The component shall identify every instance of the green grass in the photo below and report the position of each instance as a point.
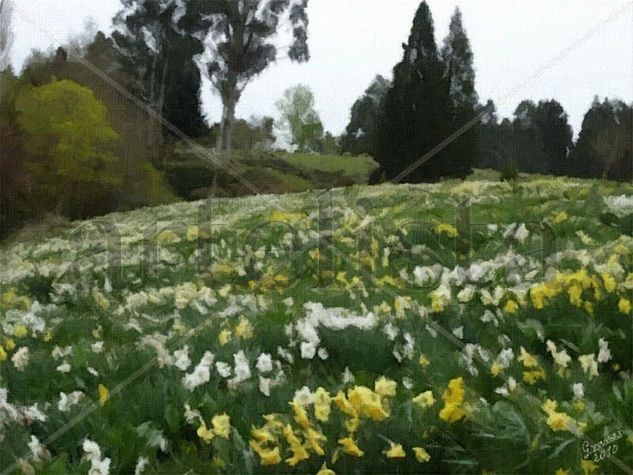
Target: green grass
(349, 166)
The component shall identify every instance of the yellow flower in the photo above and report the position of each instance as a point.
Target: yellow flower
(575, 294)
(527, 359)
(266, 456)
(447, 229)
(322, 401)
(424, 399)
(20, 330)
(104, 394)
(244, 329)
(496, 368)
(511, 307)
(624, 306)
(452, 412)
(204, 433)
(588, 467)
(313, 441)
(561, 471)
(218, 462)
(350, 447)
(559, 217)
(455, 391)
(221, 425)
(558, 421)
(385, 387)
(421, 455)
(424, 361)
(395, 451)
(609, 282)
(352, 424)
(9, 344)
(224, 337)
(301, 416)
(3, 354)
(325, 471)
(344, 405)
(532, 377)
(262, 435)
(299, 453)
(367, 403)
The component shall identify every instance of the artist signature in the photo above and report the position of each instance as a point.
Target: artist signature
(600, 450)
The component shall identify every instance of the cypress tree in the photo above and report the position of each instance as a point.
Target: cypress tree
(417, 114)
(459, 72)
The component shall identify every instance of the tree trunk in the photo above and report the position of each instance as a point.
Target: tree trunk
(228, 126)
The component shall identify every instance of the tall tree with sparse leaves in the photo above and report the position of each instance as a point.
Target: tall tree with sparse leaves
(241, 45)
(6, 35)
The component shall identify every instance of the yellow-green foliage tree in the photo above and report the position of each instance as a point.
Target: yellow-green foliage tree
(70, 140)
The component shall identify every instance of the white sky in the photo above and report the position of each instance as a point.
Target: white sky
(353, 40)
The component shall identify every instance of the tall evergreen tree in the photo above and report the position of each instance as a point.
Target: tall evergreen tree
(604, 148)
(417, 112)
(361, 132)
(459, 71)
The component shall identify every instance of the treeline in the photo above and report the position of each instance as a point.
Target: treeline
(428, 123)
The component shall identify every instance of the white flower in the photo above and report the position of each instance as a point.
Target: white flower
(59, 352)
(579, 390)
(241, 370)
(265, 385)
(303, 397)
(191, 415)
(181, 358)
(285, 354)
(308, 350)
(21, 358)
(604, 354)
(621, 206)
(561, 358)
(99, 467)
(140, 465)
(323, 354)
(459, 332)
(64, 367)
(224, 369)
(37, 449)
(589, 364)
(66, 401)
(407, 382)
(200, 374)
(391, 331)
(348, 377)
(97, 347)
(91, 449)
(466, 294)
(522, 233)
(264, 363)
(92, 371)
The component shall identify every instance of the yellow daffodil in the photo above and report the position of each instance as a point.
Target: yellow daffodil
(266, 456)
(325, 471)
(395, 451)
(244, 329)
(423, 361)
(350, 447)
(221, 425)
(104, 394)
(421, 455)
(385, 387)
(424, 399)
(205, 434)
(301, 416)
(624, 306)
(322, 402)
(224, 337)
(511, 307)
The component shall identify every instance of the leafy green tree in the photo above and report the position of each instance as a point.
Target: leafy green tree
(417, 115)
(361, 132)
(457, 57)
(241, 45)
(69, 139)
(299, 118)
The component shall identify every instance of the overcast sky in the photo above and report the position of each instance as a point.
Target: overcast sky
(353, 40)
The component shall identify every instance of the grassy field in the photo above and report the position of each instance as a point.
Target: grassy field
(385, 329)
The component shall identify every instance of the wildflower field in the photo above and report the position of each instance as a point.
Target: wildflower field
(460, 327)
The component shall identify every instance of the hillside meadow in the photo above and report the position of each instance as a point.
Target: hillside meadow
(460, 327)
